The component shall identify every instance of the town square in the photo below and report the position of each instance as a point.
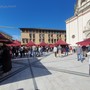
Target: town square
(45, 45)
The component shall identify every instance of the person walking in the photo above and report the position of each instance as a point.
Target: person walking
(55, 51)
(66, 50)
(59, 50)
(79, 53)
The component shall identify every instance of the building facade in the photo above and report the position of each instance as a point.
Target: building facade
(78, 26)
(36, 35)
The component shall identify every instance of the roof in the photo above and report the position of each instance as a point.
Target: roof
(42, 29)
(6, 35)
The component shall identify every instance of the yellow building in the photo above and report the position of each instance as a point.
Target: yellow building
(38, 35)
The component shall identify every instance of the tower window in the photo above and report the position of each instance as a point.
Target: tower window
(82, 1)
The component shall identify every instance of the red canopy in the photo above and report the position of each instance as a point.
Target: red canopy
(61, 42)
(15, 43)
(30, 43)
(51, 45)
(43, 44)
(85, 42)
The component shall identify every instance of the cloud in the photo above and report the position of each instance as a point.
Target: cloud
(16, 37)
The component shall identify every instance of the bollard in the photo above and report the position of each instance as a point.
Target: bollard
(88, 54)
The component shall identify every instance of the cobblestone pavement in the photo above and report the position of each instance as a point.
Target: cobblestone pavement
(47, 73)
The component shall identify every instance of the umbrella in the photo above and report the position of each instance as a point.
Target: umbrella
(30, 43)
(15, 43)
(43, 44)
(61, 42)
(84, 42)
(51, 45)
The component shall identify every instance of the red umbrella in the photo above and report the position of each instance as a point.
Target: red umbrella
(43, 44)
(51, 45)
(61, 42)
(85, 42)
(36, 45)
(15, 43)
(30, 43)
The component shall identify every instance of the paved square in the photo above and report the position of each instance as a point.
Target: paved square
(47, 73)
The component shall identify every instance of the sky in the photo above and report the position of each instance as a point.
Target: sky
(15, 14)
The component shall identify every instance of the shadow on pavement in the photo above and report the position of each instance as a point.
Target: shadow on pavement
(64, 71)
(23, 70)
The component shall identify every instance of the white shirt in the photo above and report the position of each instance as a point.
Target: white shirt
(55, 49)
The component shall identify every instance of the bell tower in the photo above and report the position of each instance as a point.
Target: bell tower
(81, 5)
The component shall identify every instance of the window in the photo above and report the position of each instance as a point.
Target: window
(30, 35)
(33, 35)
(33, 40)
(36, 31)
(42, 35)
(26, 40)
(23, 31)
(48, 35)
(65, 35)
(60, 34)
(40, 31)
(23, 40)
(39, 35)
(26, 31)
(39, 40)
(49, 40)
(43, 31)
(52, 35)
(54, 40)
(82, 1)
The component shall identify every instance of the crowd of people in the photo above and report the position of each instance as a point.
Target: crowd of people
(7, 53)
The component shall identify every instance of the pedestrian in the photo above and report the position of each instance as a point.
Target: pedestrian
(66, 50)
(89, 48)
(55, 51)
(6, 59)
(59, 50)
(21, 51)
(70, 48)
(79, 53)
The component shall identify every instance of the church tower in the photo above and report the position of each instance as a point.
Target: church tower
(78, 26)
(81, 6)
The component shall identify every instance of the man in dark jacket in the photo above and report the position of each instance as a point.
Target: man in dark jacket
(6, 59)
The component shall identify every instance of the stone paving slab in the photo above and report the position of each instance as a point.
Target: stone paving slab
(50, 73)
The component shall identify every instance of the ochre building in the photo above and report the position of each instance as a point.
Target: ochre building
(38, 35)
